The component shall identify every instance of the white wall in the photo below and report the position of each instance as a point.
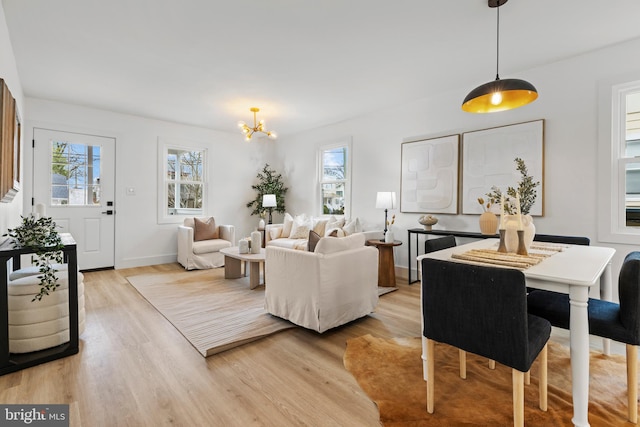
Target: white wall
(140, 240)
(568, 103)
(10, 212)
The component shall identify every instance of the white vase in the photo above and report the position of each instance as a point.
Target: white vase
(511, 235)
(388, 237)
(261, 224)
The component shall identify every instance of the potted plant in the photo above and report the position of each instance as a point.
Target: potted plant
(526, 193)
(269, 182)
(41, 236)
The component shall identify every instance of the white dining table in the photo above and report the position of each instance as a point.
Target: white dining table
(574, 271)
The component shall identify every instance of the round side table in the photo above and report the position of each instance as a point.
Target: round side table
(386, 264)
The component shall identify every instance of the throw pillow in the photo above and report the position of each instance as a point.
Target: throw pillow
(352, 227)
(314, 238)
(332, 224)
(300, 228)
(275, 233)
(335, 232)
(320, 225)
(204, 229)
(287, 223)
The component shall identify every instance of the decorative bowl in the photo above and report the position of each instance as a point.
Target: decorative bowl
(427, 221)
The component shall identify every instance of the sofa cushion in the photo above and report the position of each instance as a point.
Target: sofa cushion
(353, 226)
(320, 225)
(287, 223)
(314, 238)
(328, 245)
(333, 224)
(275, 233)
(300, 228)
(204, 229)
(208, 246)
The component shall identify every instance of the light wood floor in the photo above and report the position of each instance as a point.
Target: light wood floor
(135, 369)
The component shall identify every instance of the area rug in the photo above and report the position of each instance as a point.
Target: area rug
(390, 373)
(213, 314)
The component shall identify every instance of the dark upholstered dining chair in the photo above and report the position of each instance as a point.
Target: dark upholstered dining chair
(619, 322)
(432, 245)
(483, 310)
(570, 240)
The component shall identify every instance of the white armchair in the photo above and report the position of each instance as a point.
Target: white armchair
(319, 290)
(203, 254)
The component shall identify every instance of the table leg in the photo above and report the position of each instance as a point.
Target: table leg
(606, 294)
(386, 267)
(409, 256)
(232, 268)
(579, 337)
(254, 274)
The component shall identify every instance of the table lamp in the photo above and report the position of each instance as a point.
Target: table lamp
(269, 202)
(386, 200)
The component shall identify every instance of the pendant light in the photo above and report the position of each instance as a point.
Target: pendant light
(499, 95)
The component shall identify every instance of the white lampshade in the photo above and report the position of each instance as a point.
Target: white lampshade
(269, 201)
(386, 200)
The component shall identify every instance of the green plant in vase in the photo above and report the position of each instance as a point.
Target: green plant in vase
(526, 188)
(41, 236)
(269, 182)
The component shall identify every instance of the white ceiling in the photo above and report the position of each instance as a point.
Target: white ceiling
(305, 63)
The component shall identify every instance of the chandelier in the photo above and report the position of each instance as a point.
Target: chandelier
(258, 126)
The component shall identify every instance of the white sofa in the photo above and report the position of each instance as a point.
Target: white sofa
(203, 254)
(293, 233)
(319, 290)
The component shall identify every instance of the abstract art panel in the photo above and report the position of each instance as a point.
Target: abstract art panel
(429, 180)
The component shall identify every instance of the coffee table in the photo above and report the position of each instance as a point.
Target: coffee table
(233, 260)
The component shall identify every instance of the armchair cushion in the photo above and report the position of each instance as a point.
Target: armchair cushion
(314, 238)
(204, 229)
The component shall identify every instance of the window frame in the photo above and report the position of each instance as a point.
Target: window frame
(164, 146)
(341, 143)
(612, 224)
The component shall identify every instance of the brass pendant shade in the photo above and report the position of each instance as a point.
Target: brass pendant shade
(499, 95)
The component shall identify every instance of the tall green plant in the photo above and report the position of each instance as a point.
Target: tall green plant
(269, 182)
(40, 235)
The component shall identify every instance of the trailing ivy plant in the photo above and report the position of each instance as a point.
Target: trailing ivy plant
(526, 188)
(269, 182)
(40, 236)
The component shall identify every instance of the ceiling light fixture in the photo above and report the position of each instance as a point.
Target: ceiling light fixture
(257, 127)
(499, 95)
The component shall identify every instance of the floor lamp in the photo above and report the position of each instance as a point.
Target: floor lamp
(386, 200)
(269, 202)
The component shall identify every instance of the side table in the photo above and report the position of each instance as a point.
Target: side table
(386, 264)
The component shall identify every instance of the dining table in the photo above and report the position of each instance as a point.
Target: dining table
(576, 270)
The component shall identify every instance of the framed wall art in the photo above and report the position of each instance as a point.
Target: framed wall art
(429, 175)
(488, 159)
(9, 145)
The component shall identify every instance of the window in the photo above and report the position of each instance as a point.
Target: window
(335, 178)
(620, 162)
(182, 184)
(75, 174)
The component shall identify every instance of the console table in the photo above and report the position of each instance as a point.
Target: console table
(15, 362)
(417, 231)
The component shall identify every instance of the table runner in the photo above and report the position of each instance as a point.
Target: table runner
(537, 253)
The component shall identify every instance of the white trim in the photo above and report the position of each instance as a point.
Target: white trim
(611, 173)
(165, 144)
(342, 142)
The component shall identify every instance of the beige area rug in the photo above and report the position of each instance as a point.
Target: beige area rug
(390, 372)
(212, 313)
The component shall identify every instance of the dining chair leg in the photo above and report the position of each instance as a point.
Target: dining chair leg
(492, 364)
(463, 364)
(430, 374)
(632, 382)
(542, 381)
(518, 398)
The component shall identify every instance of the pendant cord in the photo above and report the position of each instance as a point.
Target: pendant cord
(498, 42)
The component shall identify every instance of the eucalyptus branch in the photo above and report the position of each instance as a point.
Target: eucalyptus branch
(526, 188)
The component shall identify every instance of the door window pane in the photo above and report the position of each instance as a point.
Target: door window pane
(75, 174)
